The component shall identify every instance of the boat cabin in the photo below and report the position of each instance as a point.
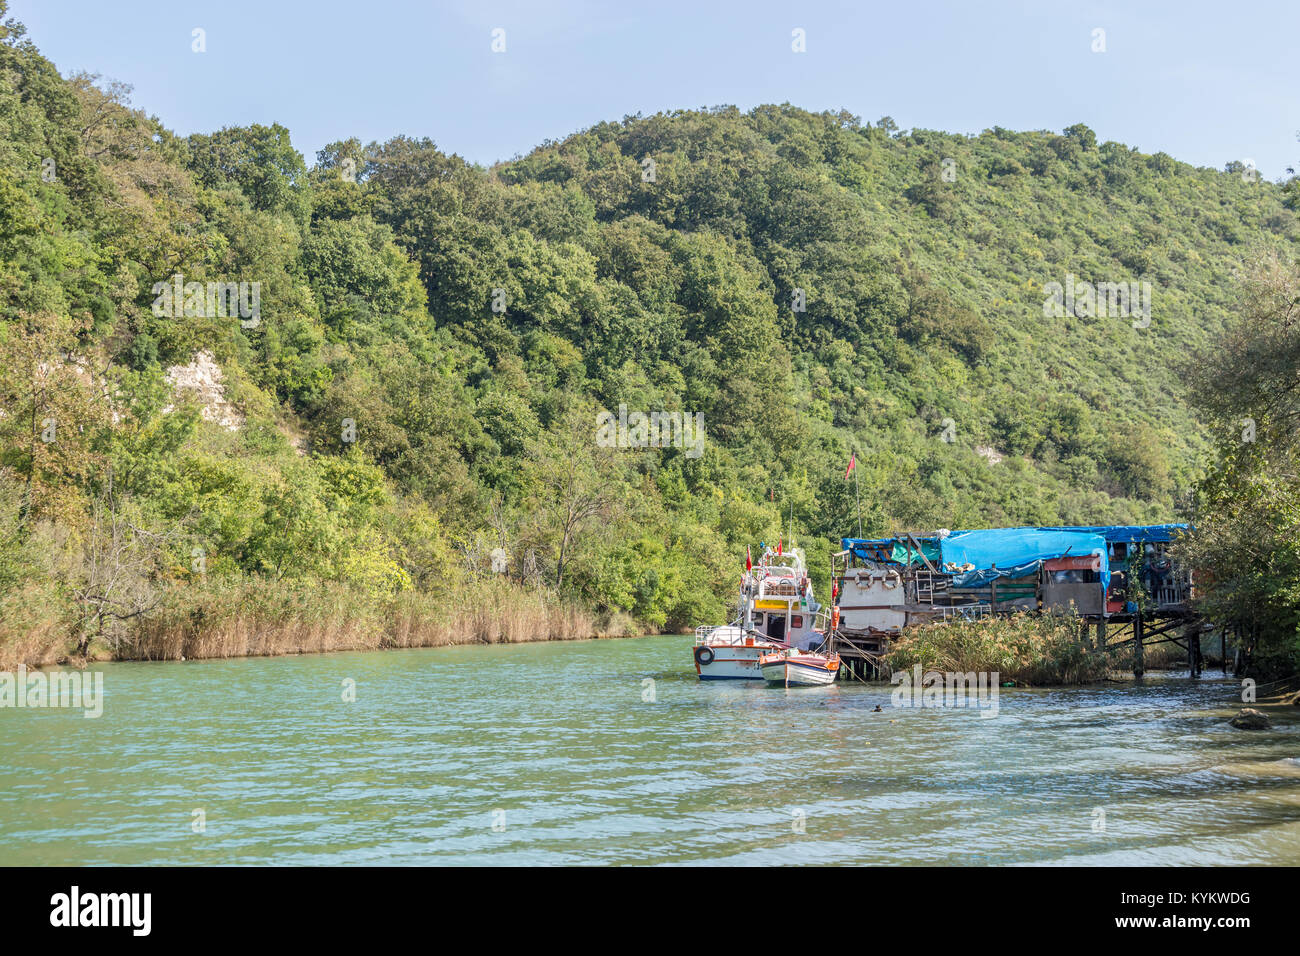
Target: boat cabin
(777, 600)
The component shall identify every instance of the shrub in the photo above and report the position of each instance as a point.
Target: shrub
(1025, 648)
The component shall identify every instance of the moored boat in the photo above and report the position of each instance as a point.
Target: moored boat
(730, 652)
(795, 668)
(777, 611)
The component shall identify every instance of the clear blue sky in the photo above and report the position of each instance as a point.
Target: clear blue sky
(1203, 81)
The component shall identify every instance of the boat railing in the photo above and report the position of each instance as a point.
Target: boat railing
(703, 632)
(782, 587)
(779, 571)
(967, 612)
(746, 636)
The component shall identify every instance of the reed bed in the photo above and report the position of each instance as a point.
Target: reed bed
(252, 619)
(259, 618)
(1028, 649)
(1162, 657)
(34, 627)
(486, 615)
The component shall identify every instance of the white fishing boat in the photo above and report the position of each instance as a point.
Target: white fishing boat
(730, 652)
(777, 611)
(795, 668)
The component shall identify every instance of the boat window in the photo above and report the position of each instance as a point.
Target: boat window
(1075, 576)
(796, 620)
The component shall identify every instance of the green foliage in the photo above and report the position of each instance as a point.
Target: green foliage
(260, 161)
(436, 339)
(1246, 549)
(1030, 649)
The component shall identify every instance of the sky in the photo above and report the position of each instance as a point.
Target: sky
(1206, 82)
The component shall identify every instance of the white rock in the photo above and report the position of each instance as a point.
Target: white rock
(204, 378)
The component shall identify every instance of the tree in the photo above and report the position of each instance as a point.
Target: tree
(120, 575)
(1247, 538)
(573, 481)
(260, 161)
(56, 408)
(1082, 135)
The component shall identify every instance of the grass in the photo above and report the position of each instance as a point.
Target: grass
(256, 618)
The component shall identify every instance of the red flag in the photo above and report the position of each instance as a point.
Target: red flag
(853, 463)
(749, 560)
(778, 545)
(835, 590)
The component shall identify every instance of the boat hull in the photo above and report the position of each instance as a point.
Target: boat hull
(731, 661)
(800, 672)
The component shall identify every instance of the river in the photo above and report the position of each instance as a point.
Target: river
(564, 753)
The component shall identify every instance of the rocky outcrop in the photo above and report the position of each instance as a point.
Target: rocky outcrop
(1251, 719)
(204, 378)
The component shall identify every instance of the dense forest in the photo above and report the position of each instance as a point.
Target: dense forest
(367, 389)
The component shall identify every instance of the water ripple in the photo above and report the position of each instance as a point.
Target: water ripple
(548, 754)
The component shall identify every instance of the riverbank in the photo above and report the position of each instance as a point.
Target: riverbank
(258, 618)
(265, 619)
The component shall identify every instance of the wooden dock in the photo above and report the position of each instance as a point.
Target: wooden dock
(863, 652)
(1147, 601)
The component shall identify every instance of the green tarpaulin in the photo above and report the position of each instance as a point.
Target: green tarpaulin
(931, 551)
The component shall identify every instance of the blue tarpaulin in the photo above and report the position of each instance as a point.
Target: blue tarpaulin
(981, 577)
(1015, 551)
(1133, 534)
(863, 547)
(1006, 547)
(1013, 548)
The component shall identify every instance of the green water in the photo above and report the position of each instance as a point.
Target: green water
(543, 754)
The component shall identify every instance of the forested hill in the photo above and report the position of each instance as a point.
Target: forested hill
(810, 284)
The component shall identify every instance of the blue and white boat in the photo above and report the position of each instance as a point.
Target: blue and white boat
(777, 611)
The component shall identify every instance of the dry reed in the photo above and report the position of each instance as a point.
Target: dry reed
(257, 618)
(1028, 649)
